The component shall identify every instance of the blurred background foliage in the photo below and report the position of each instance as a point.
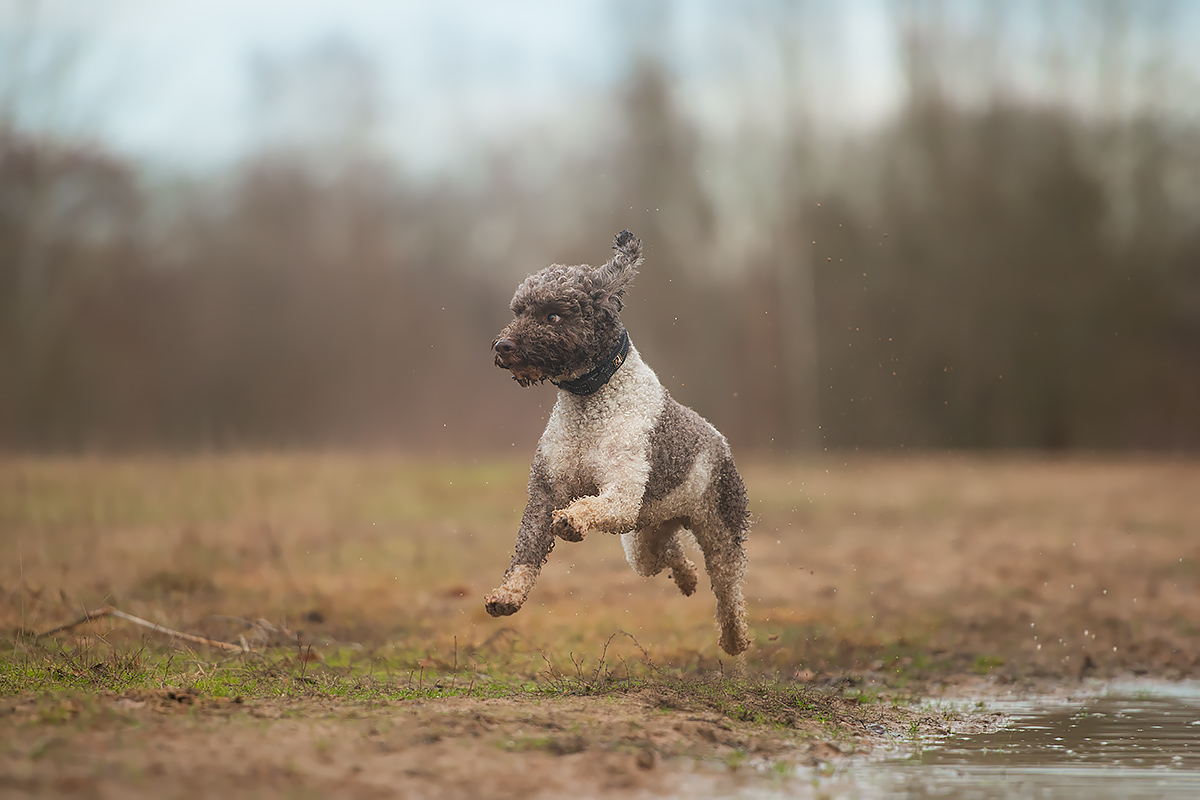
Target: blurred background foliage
(1006, 256)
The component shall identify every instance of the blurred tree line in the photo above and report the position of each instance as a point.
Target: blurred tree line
(985, 269)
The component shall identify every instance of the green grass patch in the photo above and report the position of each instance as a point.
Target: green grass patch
(32, 668)
(63, 676)
(985, 664)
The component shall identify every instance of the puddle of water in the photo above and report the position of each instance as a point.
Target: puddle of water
(1138, 745)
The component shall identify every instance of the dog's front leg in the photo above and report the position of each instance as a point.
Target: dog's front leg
(534, 543)
(613, 510)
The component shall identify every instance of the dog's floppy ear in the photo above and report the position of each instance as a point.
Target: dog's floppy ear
(614, 277)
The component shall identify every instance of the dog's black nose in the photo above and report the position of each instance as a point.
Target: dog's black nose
(504, 347)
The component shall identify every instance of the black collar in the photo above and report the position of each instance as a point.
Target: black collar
(591, 382)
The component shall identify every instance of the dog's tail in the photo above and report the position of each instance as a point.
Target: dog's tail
(616, 275)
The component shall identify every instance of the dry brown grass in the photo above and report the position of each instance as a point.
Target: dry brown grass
(933, 565)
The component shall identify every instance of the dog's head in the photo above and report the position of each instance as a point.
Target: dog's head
(567, 318)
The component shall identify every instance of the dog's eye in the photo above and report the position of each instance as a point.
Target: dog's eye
(553, 319)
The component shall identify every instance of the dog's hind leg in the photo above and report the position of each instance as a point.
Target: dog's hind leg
(650, 550)
(725, 561)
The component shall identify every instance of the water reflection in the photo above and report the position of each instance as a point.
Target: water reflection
(1141, 745)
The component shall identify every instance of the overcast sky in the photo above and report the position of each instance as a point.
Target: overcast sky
(173, 80)
(180, 83)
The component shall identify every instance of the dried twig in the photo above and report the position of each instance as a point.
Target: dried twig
(109, 611)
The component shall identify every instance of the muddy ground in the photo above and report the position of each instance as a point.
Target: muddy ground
(875, 586)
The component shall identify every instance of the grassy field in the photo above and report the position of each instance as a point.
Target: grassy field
(355, 584)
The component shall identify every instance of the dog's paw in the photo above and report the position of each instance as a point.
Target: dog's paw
(502, 604)
(563, 529)
(685, 578)
(734, 640)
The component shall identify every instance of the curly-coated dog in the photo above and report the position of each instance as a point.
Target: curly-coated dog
(619, 455)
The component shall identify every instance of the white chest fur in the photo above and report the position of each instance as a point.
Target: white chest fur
(592, 440)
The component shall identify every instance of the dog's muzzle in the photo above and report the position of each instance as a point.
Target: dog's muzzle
(505, 350)
(508, 356)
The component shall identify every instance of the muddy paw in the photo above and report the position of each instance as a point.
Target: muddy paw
(564, 530)
(685, 579)
(734, 641)
(501, 604)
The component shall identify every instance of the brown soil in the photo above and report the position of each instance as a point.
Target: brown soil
(151, 745)
(891, 578)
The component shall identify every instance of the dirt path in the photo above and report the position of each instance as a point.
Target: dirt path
(176, 744)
